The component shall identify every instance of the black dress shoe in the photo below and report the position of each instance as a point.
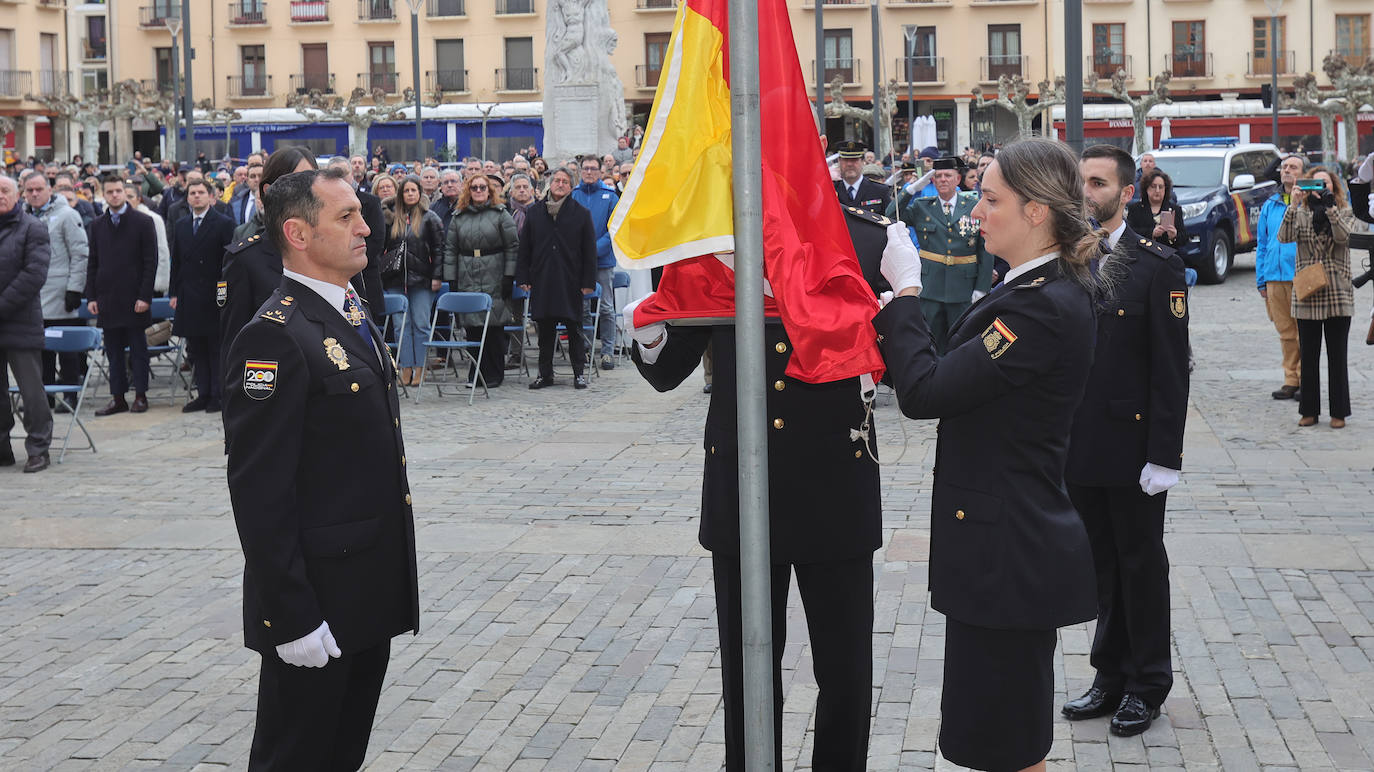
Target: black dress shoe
(541, 383)
(1094, 703)
(196, 404)
(1285, 392)
(1133, 717)
(115, 405)
(706, 389)
(140, 404)
(580, 382)
(37, 463)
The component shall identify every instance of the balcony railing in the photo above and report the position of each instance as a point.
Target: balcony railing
(646, 76)
(446, 8)
(994, 67)
(14, 84)
(847, 69)
(1105, 64)
(93, 50)
(655, 5)
(309, 10)
(257, 86)
(156, 15)
(1262, 66)
(1189, 65)
(153, 85)
(517, 78)
(1354, 57)
(52, 3)
(921, 69)
(446, 80)
(811, 4)
(54, 82)
(248, 12)
(386, 80)
(376, 10)
(304, 83)
(507, 7)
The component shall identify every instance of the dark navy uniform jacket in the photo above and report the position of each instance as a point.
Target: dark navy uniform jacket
(822, 486)
(872, 196)
(250, 274)
(1137, 396)
(868, 231)
(317, 478)
(1007, 548)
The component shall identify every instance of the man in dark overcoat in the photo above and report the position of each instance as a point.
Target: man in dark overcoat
(24, 254)
(1125, 450)
(120, 268)
(317, 480)
(556, 264)
(198, 243)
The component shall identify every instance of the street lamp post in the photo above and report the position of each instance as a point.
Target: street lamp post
(173, 23)
(415, 63)
(189, 111)
(1274, 6)
(910, 33)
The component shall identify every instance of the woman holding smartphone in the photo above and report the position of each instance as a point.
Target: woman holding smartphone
(1010, 560)
(1155, 215)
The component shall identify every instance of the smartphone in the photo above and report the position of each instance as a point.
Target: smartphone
(1166, 218)
(1311, 185)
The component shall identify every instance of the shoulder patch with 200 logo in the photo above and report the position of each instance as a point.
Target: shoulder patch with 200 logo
(998, 337)
(259, 378)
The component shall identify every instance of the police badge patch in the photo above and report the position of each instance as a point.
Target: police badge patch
(221, 293)
(259, 378)
(997, 338)
(1178, 303)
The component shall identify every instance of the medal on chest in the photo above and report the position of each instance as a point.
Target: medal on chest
(336, 353)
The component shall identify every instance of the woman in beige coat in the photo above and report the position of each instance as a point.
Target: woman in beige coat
(1320, 224)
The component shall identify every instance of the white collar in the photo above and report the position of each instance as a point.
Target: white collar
(333, 294)
(1115, 235)
(202, 214)
(953, 200)
(1029, 265)
(854, 186)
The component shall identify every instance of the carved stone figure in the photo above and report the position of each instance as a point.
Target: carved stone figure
(584, 104)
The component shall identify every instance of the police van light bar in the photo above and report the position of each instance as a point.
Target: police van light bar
(1200, 142)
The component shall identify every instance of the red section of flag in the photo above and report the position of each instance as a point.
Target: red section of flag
(818, 288)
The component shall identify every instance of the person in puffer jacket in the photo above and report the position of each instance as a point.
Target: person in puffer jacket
(479, 256)
(61, 294)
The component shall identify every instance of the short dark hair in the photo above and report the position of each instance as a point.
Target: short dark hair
(561, 170)
(284, 161)
(1148, 179)
(293, 195)
(109, 178)
(201, 183)
(1125, 165)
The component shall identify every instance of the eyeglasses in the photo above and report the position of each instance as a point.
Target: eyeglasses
(477, 187)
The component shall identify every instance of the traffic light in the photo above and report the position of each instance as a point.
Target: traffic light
(1267, 95)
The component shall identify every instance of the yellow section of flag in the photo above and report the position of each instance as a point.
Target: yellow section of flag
(678, 203)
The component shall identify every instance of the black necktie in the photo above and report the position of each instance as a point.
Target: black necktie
(854, 192)
(195, 225)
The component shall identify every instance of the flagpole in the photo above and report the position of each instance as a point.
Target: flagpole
(746, 147)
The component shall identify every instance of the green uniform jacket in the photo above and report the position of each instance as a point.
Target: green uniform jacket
(954, 236)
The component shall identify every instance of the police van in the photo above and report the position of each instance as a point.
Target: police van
(1220, 185)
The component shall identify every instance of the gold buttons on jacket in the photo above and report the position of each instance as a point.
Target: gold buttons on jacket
(713, 450)
(1138, 416)
(407, 499)
(403, 460)
(858, 454)
(266, 623)
(396, 421)
(959, 515)
(779, 385)
(353, 388)
(1120, 312)
(781, 348)
(777, 423)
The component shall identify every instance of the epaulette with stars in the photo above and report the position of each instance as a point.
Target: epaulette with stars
(242, 244)
(280, 310)
(867, 216)
(1154, 247)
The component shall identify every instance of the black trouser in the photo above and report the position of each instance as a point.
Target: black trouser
(317, 718)
(1131, 646)
(203, 350)
(116, 339)
(838, 599)
(493, 362)
(548, 336)
(37, 415)
(67, 368)
(1337, 331)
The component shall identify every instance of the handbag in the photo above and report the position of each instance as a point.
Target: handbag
(1309, 281)
(393, 260)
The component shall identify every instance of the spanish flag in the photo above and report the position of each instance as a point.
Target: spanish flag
(677, 210)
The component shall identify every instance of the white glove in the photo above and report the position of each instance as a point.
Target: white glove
(650, 337)
(977, 296)
(885, 298)
(1157, 479)
(314, 650)
(901, 264)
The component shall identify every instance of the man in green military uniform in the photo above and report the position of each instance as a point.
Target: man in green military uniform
(955, 268)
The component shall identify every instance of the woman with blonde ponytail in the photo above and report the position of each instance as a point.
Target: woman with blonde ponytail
(1009, 557)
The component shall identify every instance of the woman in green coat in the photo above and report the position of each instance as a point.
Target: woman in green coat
(479, 256)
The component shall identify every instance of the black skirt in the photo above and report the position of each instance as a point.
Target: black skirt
(997, 708)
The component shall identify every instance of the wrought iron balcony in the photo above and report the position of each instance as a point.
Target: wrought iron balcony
(921, 69)
(646, 76)
(309, 10)
(376, 10)
(1105, 63)
(386, 80)
(1188, 64)
(304, 83)
(1354, 57)
(14, 84)
(655, 5)
(54, 82)
(151, 85)
(248, 12)
(849, 70)
(93, 50)
(157, 14)
(508, 7)
(255, 86)
(440, 8)
(1261, 66)
(446, 81)
(517, 78)
(994, 67)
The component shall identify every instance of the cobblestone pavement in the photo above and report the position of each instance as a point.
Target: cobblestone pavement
(566, 609)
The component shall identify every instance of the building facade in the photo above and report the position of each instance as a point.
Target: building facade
(256, 53)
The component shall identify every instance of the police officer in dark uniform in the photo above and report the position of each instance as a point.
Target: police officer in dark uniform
(1009, 557)
(868, 232)
(318, 484)
(1125, 452)
(824, 523)
(852, 187)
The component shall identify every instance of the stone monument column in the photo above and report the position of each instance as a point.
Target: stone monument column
(584, 100)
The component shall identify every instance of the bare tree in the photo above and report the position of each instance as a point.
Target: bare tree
(87, 111)
(1140, 106)
(837, 107)
(215, 115)
(1308, 99)
(319, 107)
(1013, 95)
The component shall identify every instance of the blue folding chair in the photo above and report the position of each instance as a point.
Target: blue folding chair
(620, 280)
(395, 311)
(452, 304)
(518, 333)
(161, 311)
(69, 340)
(589, 330)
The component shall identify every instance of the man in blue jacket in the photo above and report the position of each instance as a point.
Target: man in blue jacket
(600, 201)
(1274, 264)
